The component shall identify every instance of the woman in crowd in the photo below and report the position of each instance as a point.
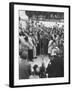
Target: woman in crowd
(50, 46)
(55, 49)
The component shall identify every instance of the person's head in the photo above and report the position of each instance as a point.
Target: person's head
(30, 34)
(36, 70)
(54, 41)
(26, 38)
(51, 38)
(34, 67)
(55, 36)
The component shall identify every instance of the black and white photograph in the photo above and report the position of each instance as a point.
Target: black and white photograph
(41, 44)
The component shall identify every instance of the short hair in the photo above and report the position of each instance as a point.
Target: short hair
(35, 66)
(54, 41)
(51, 38)
(26, 38)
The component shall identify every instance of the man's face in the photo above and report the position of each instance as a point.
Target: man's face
(37, 69)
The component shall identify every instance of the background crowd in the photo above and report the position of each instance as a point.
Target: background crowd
(37, 39)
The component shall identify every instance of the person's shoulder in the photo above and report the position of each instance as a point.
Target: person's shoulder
(51, 40)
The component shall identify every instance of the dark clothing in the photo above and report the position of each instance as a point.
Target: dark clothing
(38, 44)
(30, 54)
(44, 46)
(38, 49)
(42, 72)
(56, 69)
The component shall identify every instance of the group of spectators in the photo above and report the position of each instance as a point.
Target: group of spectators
(37, 39)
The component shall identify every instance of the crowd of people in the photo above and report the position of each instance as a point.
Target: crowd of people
(37, 39)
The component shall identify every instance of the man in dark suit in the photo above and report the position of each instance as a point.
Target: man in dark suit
(56, 68)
